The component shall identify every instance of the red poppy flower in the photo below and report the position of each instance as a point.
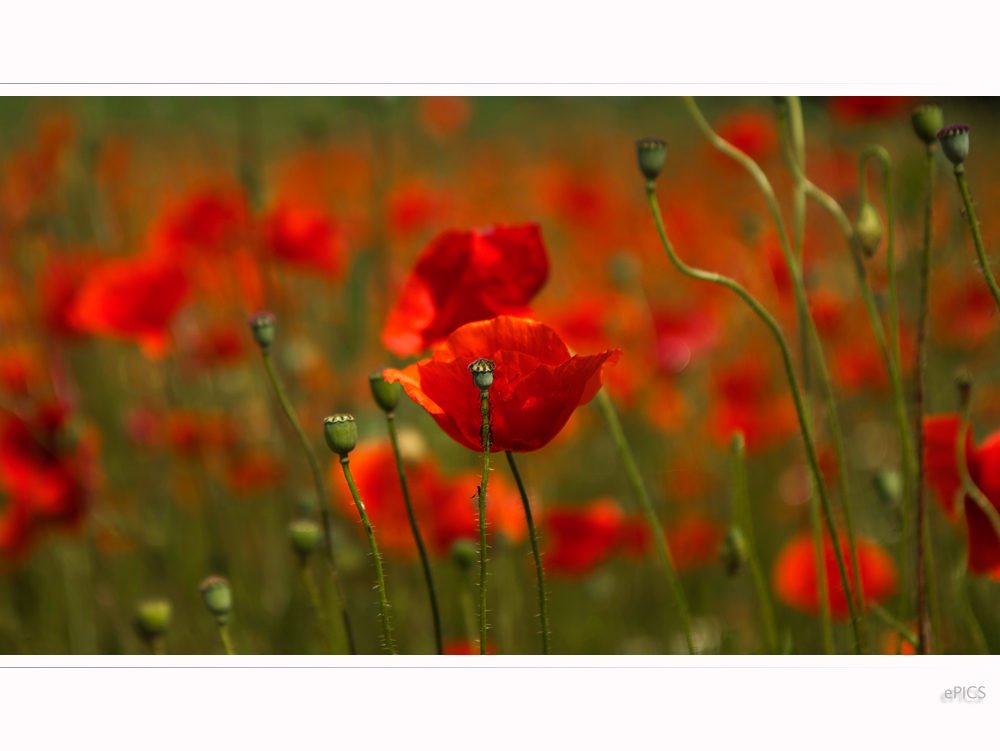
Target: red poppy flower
(133, 299)
(578, 540)
(744, 404)
(682, 335)
(794, 574)
(752, 132)
(466, 647)
(463, 277)
(694, 541)
(940, 437)
(58, 285)
(304, 238)
(536, 384)
(207, 222)
(858, 109)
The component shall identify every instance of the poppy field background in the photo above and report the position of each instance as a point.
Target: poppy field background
(142, 448)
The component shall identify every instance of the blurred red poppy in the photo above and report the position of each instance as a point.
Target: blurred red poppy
(694, 541)
(206, 222)
(463, 277)
(254, 472)
(58, 286)
(751, 131)
(466, 647)
(859, 109)
(794, 574)
(536, 384)
(444, 116)
(578, 540)
(304, 238)
(940, 439)
(744, 403)
(134, 299)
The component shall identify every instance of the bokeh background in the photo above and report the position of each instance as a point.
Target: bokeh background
(170, 431)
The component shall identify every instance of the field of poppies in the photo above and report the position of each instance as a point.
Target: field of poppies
(499, 375)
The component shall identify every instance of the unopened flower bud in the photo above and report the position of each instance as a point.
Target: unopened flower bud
(341, 434)
(734, 552)
(153, 619)
(218, 597)
(955, 143)
(889, 486)
(652, 155)
(482, 373)
(262, 328)
(465, 554)
(868, 229)
(385, 394)
(304, 535)
(927, 120)
(963, 381)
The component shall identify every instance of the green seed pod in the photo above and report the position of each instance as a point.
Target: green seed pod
(927, 120)
(868, 229)
(482, 373)
(153, 619)
(652, 155)
(955, 143)
(341, 434)
(262, 328)
(385, 394)
(889, 486)
(218, 597)
(305, 535)
(734, 552)
(464, 554)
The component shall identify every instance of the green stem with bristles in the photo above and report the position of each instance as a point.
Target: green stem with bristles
(970, 214)
(484, 413)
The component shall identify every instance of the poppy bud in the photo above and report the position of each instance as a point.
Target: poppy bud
(868, 229)
(927, 120)
(963, 380)
(955, 143)
(385, 394)
(734, 553)
(465, 554)
(153, 619)
(889, 486)
(652, 155)
(218, 597)
(262, 328)
(482, 373)
(304, 535)
(341, 434)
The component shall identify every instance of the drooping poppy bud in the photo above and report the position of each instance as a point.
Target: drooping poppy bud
(889, 486)
(304, 534)
(868, 229)
(153, 619)
(652, 155)
(927, 120)
(385, 394)
(341, 434)
(218, 597)
(734, 552)
(955, 143)
(482, 373)
(464, 554)
(262, 328)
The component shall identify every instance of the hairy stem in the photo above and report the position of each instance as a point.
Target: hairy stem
(970, 214)
(484, 412)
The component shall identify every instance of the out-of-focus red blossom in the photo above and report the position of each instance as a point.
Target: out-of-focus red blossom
(303, 238)
(983, 460)
(45, 475)
(751, 131)
(30, 174)
(254, 472)
(829, 312)
(891, 643)
(463, 277)
(58, 285)
(694, 541)
(445, 507)
(682, 335)
(444, 116)
(207, 222)
(20, 368)
(412, 207)
(191, 433)
(466, 647)
(536, 384)
(862, 109)
(133, 299)
(965, 313)
(221, 345)
(579, 539)
(144, 428)
(744, 403)
(794, 574)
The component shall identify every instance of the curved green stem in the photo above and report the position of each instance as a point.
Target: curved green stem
(424, 561)
(227, 640)
(894, 623)
(970, 214)
(804, 424)
(741, 496)
(639, 488)
(484, 413)
(535, 552)
(968, 484)
(383, 602)
(324, 496)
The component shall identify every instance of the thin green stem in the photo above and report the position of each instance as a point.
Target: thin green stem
(382, 601)
(390, 419)
(804, 424)
(970, 214)
(894, 623)
(317, 602)
(534, 551)
(321, 492)
(741, 497)
(639, 488)
(484, 413)
(227, 639)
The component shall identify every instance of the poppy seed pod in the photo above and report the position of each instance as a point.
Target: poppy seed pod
(304, 535)
(262, 328)
(218, 597)
(734, 552)
(153, 618)
(385, 394)
(927, 120)
(464, 554)
(868, 229)
(341, 434)
(889, 486)
(482, 373)
(652, 155)
(955, 143)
